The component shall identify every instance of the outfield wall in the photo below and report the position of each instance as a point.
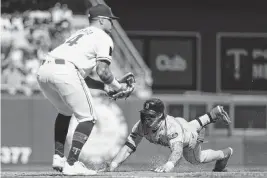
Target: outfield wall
(27, 129)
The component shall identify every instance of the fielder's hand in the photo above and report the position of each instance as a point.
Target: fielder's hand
(113, 166)
(127, 81)
(109, 167)
(165, 168)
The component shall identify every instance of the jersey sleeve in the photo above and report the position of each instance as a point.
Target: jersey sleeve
(175, 133)
(135, 136)
(104, 49)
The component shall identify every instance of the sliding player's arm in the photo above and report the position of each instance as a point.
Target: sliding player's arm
(175, 137)
(176, 153)
(130, 146)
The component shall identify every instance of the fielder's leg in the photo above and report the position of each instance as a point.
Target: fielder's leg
(77, 96)
(61, 131)
(81, 134)
(61, 122)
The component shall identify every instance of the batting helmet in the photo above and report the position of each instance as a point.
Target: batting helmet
(153, 106)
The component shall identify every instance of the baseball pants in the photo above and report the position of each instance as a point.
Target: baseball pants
(65, 88)
(195, 155)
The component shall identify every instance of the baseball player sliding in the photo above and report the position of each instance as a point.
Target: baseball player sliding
(63, 79)
(180, 136)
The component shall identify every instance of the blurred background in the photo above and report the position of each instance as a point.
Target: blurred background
(192, 55)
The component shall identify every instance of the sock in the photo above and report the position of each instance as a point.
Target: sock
(212, 117)
(204, 120)
(61, 131)
(81, 134)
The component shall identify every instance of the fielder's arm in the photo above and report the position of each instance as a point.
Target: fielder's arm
(94, 84)
(104, 73)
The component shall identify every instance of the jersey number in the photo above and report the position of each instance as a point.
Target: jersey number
(74, 40)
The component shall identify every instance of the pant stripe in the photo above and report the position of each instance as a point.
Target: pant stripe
(87, 96)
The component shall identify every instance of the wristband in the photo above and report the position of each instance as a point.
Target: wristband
(170, 164)
(115, 85)
(114, 164)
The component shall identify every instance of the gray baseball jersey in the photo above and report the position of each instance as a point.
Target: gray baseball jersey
(172, 129)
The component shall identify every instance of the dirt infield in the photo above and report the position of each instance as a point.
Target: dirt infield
(141, 174)
(138, 171)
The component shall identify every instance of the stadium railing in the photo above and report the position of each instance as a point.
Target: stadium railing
(232, 102)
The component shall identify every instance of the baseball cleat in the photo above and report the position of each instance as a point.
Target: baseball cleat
(221, 164)
(78, 168)
(219, 113)
(58, 162)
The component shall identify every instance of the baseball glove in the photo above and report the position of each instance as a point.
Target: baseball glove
(126, 91)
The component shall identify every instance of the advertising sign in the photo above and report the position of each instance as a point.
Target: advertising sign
(173, 61)
(242, 61)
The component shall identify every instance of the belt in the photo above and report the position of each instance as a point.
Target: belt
(57, 61)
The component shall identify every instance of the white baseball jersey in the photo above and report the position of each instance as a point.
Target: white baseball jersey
(170, 130)
(84, 48)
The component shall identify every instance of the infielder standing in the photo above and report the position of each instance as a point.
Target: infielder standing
(180, 136)
(61, 78)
